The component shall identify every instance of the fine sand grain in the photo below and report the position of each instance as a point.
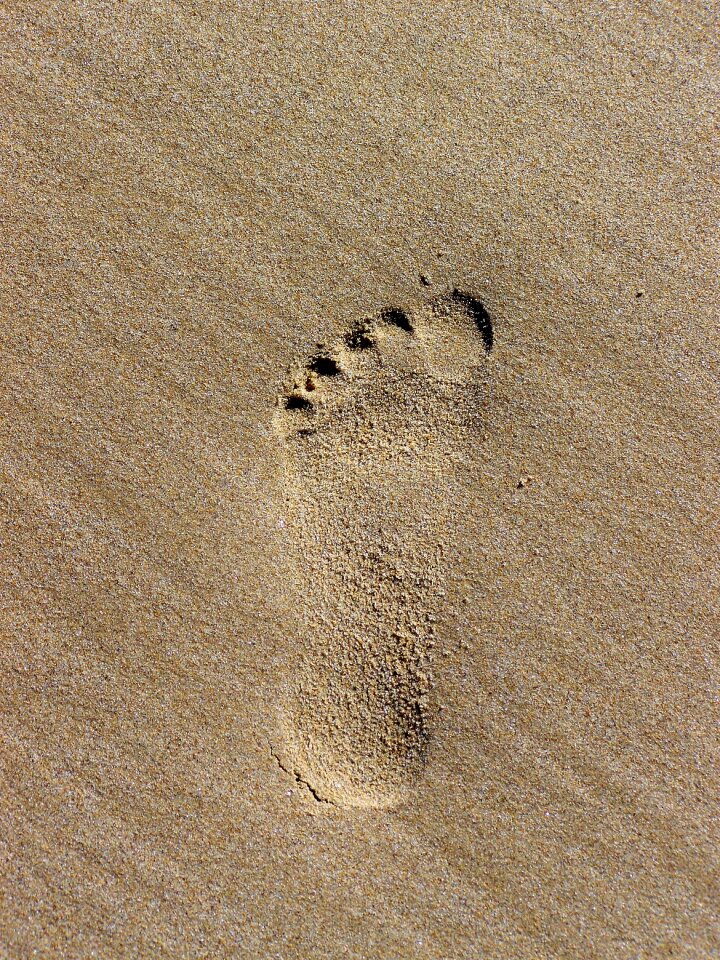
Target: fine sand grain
(359, 491)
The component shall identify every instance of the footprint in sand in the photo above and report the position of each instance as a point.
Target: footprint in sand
(373, 428)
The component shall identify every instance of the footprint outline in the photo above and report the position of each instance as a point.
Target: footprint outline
(360, 719)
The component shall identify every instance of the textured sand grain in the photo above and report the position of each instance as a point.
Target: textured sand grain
(194, 197)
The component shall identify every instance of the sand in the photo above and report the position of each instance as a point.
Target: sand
(359, 458)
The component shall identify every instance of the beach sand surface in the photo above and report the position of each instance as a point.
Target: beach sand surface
(359, 464)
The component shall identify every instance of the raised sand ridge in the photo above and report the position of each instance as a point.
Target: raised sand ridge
(372, 428)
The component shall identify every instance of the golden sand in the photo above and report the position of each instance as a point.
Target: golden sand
(359, 451)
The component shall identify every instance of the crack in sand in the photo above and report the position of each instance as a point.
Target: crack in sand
(292, 772)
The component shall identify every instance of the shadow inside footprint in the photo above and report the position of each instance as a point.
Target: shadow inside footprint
(476, 310)
(397, 318)
(325, 366)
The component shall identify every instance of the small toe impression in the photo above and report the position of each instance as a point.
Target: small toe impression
(306, 389)
(296, 401)
(360, 337)
(325, 366)
(394, 317)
